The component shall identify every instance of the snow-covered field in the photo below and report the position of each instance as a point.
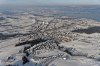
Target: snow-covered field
(48, 41)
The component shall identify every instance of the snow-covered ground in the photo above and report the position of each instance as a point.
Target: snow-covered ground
(12, 30)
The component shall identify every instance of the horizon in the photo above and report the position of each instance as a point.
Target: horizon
(31, 5)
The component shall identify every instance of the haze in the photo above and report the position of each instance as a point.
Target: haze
(50, 2)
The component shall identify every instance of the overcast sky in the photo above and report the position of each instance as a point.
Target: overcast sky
(50, 2)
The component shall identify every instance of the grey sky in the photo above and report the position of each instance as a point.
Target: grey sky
(43, 2)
